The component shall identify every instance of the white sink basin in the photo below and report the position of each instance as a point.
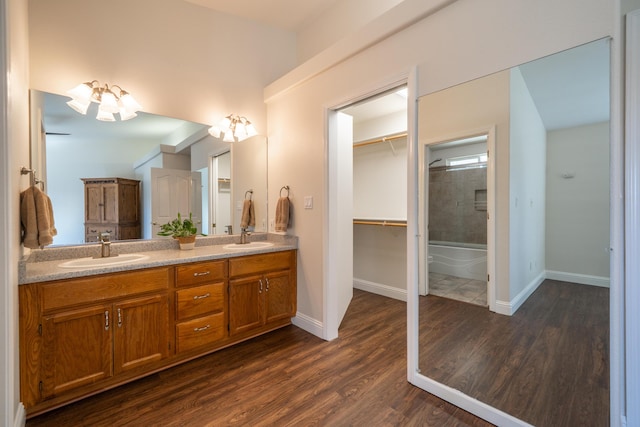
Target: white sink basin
(250, 245)
(103, 262)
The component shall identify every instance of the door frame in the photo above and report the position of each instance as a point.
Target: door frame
(423, 207)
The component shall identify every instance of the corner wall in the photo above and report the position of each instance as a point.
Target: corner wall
(14, 153)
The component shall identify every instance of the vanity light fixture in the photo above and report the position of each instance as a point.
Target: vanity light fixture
(233, 128)
(112, 100)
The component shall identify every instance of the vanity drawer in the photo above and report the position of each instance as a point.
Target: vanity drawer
(67, 293)
(201, 272)
(201, 331)
(199, 300)
(254, 264)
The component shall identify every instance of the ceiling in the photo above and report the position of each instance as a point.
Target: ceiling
(289, 15)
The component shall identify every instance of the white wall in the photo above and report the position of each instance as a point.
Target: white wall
(68, 160)
(526, 193)
(14, 153)
(342, 19)
(577, 231)
(512, 33)
(380, 181)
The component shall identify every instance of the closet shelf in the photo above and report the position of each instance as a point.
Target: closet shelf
(381, 222)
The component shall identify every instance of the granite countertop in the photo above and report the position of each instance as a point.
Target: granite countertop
(43, 264)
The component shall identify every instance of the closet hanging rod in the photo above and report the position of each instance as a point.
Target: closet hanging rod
(384, 223)
(379, 140)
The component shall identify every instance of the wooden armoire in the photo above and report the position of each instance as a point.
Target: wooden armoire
(111, 205)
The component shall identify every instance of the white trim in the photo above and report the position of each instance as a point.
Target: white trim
(21, 416)
(632, 217)
(380, 289)
(508, 308)
(309, 324)
(393, 21)
(469, 404)
(582, 279)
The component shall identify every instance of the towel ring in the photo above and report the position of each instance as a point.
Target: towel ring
(250, 194)
(286, 187)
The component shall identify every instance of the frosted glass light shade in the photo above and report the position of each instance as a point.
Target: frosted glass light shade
(240, 132)
(251, 131)
(214, 131)
(126, 114)
(80, 106)
(109, 103)
(129, 103)
(105, 116)
(82, 92)
(228, 136)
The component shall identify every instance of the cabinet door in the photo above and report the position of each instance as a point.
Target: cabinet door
(140, 332)
(278, 296)
(110, 202)
(76, 349)
(245, 304)
(94, 206)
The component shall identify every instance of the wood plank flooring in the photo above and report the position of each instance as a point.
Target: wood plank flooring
(285, 378)
(548, 364)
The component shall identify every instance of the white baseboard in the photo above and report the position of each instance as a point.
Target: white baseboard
(380, 289)
(509, 307)
(582, 279)
(309, 324)
(21, 416)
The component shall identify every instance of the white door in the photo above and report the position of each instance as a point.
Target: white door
(339, 284)
(174, 191)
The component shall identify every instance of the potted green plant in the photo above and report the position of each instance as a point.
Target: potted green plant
(183, 230)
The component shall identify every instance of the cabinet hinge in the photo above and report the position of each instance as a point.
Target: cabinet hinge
(40, 386)
(488, 278)
(169, 345)
(40, 329)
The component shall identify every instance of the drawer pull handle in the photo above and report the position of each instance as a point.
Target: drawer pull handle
(260, 290)
(267, 280)
(204, 273)
(204, 328)
(207, 295)
(119, 318)
(106, 320)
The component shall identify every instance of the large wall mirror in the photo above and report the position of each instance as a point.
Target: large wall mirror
(216, 176)
(514, 262)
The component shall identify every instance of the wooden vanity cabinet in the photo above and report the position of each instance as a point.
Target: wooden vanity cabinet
(201, 304)
(262, 291)
(84, 335)
(81, 332)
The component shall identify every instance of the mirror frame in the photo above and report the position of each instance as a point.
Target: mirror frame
(616, 185)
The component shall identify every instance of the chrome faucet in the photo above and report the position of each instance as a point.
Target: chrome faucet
(243, 236)
(229, 229)
(106, 245)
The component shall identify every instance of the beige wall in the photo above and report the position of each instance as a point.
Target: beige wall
(178, 59)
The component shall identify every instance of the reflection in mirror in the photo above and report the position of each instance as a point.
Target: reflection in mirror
(179, 166)
(531, 339)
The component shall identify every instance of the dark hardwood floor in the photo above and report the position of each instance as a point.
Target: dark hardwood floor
(548, 364)
(285, 378)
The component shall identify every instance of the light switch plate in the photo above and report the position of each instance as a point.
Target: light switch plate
(308, 202)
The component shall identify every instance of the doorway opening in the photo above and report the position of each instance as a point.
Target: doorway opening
(367, 155)
(456, 219)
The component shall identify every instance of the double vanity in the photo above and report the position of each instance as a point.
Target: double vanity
(89, 324)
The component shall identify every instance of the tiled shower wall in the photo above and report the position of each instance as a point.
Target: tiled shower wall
(458, 204)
